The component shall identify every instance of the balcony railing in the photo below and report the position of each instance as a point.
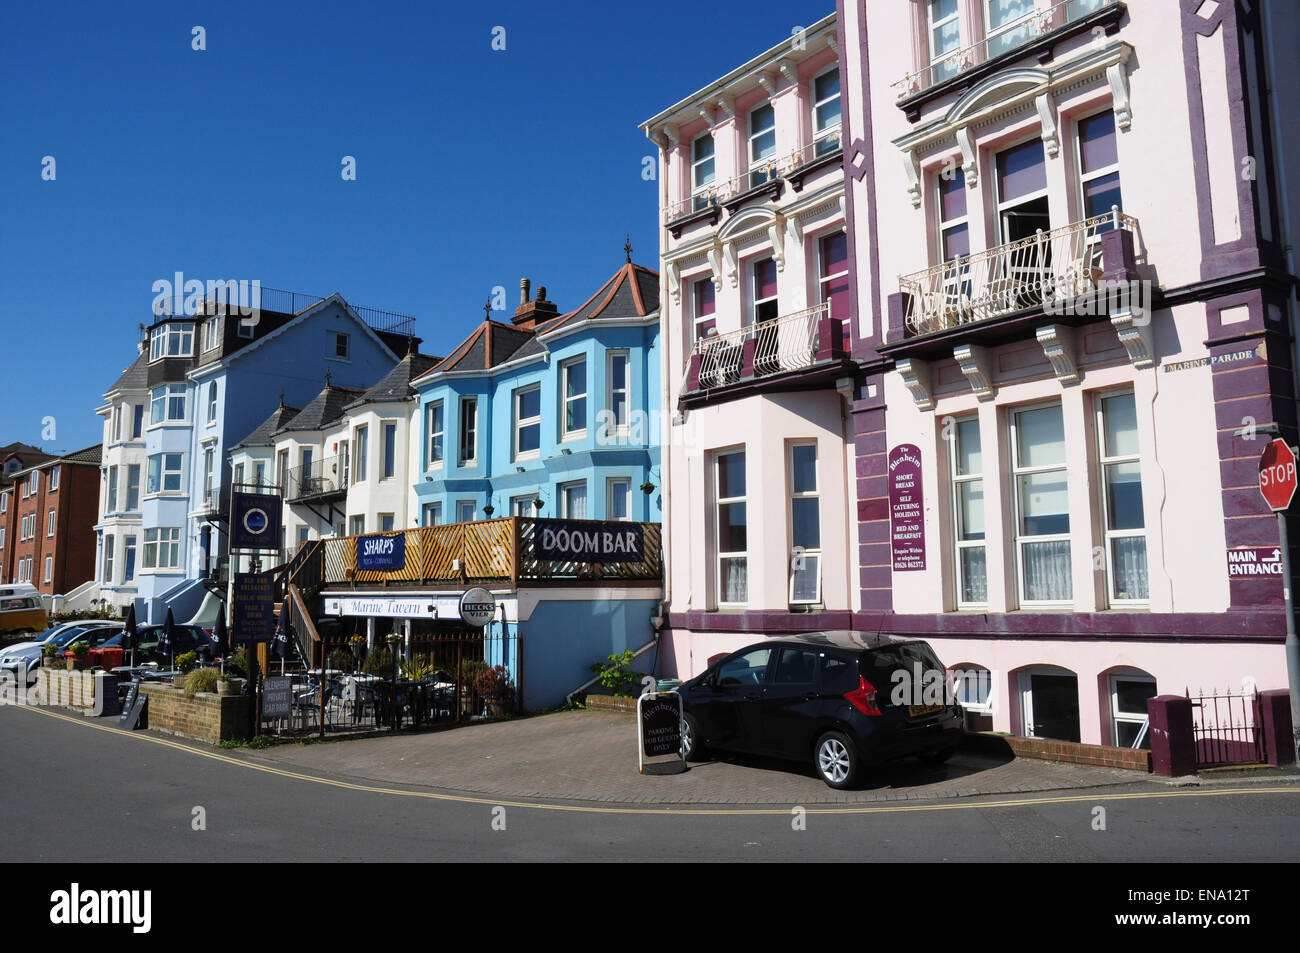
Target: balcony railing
(1035, 272)
(502, 551)
(1008, 37)
(788, 343)
(279, 301)
(778, 167)
(319, 478)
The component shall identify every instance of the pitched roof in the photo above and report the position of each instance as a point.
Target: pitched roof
(261, 437)
(27, 455)
(396, 384)
(136, 375)
(324, 409)
(489, 345)
(632, 292)
(92, 454)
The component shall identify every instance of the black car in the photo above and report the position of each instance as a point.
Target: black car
(841, 700)
(185, 638)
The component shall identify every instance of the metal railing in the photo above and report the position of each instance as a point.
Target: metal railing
(291, 302)
(317, 478)
(1227, 728)
(1038, 271)
(777, 167)
(1008, 37)
(786, 343)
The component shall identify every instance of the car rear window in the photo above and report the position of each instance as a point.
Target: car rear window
(839, 673)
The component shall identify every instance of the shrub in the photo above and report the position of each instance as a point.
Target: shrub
(380, 662)
(470, 669)
(616, 676)
(50, 650)
(341, 659)
(418, 668)
(202, 680)
(80, 650)
(494, 682)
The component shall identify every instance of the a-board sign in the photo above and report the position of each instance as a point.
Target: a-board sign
(277, 697)
(135, 711)
(661, 724)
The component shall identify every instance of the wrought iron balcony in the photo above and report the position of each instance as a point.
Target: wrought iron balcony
(1041, 271)
(319, 480)
(1006, 41)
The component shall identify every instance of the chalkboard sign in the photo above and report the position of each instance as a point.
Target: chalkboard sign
(661, 724)
(277, 697)
(253, 600)
(135, 713)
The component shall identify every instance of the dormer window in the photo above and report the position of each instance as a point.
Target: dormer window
(826, 112)
(212, 332)
(171, 340)
(762, 145)
(702, 172)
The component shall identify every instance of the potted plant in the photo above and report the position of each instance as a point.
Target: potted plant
(489, 510)
(358, 645)
(50, 656)
(202, 680)
(226, 686)
(647, 487)
(538, 503)
(80, 657)
(186, 661)
(496, 686)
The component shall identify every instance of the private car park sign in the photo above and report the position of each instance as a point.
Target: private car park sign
(1277, 475)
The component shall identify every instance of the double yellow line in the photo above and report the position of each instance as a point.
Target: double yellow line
(891, 808)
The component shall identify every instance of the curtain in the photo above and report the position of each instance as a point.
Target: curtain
(1047, 571)
(1129, 562)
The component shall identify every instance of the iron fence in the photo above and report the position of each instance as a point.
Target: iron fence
(1227, 728)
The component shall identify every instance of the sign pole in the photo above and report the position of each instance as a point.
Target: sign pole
(1292, 641)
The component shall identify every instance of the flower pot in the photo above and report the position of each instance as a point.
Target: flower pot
(178, 682)
(225, 688)
(52, 661)
(78, 664)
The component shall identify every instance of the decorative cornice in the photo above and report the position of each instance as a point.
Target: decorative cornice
(726, 108)
(1135, 336)
(1047, 116)
(969, 156)
(765, 81)
(715, 268)
(675, 282)
(974, 362)
(912, 167)
(916, 377)
(730, 263)
(707, 115)
(1058, 345)
(788, 72)
(833, 43)
(1117, 76)
(778, 246)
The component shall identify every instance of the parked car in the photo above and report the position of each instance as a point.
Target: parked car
(26, 656)
(842, 701)
(21, 612)
(185, 638)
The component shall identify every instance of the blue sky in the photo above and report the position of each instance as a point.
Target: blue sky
(475, 167)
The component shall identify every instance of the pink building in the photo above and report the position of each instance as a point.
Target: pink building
(757, 382)
(1070, 233)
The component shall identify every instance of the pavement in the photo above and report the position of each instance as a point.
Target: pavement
(591, 756)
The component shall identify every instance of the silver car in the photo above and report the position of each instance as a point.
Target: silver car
(25, 657)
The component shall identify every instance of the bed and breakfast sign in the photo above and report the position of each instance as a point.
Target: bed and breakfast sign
(906, 508)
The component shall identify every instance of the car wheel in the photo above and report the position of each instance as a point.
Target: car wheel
(691, 743)
(836, 760)
(938, 757)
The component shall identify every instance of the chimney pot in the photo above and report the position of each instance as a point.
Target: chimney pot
(541, 292)
(524, 285)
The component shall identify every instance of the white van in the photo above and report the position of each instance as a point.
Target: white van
(21, 611)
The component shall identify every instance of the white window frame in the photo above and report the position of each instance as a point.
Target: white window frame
(760, 168)
(821, 136)
(460, 511)
(1001, 205)
(54, 478)
(163, 473)
(718, 502)
(166, 395)
(467, 449)
(212, 403)
(611, 492)
(702, 195)
(938, 56)
(357, 525)
(2, 537)
(956, 481)
(166, 336)
(613, 427)
(49, 525)
(1018, 541)
(1085, 177)
(344, 339)
(161, 552)
(360, 451)
(1025, 684)
(435, 429)
(522, 505)
(983, 677)
(1116, 716)
(523, 422)
(564, 489)
(49, 568)
(110, 497)
(577, 433)
(1108, 535)
(791, 496)
(212, 332)
(387, 442)
(130, 559)
(110, 552)
(390, 518)
(433, 510)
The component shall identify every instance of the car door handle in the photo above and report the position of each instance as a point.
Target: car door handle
(809, 696)
(751, 695)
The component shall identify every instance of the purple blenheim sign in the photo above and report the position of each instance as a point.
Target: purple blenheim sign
(906, 509)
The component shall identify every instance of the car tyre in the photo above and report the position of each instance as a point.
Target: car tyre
(692, 745)
(938, 757)
(836, 760)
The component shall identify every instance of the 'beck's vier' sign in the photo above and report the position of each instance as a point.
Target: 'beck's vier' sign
(586, 541)
(381, 553)
(906, 510)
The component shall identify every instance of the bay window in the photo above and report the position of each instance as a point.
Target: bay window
(618, 392)
(805, 525)
(468, 431)
(573, 376)
(110, 502)
(128, 559)
(162, 548)
(167, 403)
(618, 498)
(110, 551)
(164, 475)
(966, 463)
(389, 469)
(1042, 511)
(573, 501)
(1123, 521)
(435, 428)
(171, 340)
(528, 422)
(133, 487)
(730, 528)
(361, 454)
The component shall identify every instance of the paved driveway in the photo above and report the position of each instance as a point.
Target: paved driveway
(591, 756)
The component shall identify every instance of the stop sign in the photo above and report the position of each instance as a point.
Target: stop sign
(1277, 475)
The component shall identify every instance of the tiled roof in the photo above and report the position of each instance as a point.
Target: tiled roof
(325, 409)
(491, 344)
(633, 292)
(92, 454)
(396, 384)
(261, 437)
(136, 375)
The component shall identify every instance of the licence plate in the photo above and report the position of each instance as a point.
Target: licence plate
(914, 710)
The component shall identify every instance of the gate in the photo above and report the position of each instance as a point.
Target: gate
(1227, 728)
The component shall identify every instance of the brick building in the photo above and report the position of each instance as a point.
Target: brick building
(47, 514)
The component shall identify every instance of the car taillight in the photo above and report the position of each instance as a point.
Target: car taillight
(863, 698)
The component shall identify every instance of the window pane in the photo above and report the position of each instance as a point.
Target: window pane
(806, 523)
(1129, 567)
(735, 579)
(731, 475)
(703, 148)
(575, 414)
(1131, 696)
(529, 438)
(1097, 142)
(946, 37)
(1021, 170)
(952, 196)
(576, 379)
(970, 510)
(803, 460)
(1119, 416)
(956, 242)
(974, 580)
(1124, 496)
(969, 458)
(618, 371)
(826, 85)
(731, 528)
(805, 580)
(1101, 195)
(1047, 570)
(764, 279)
(1040, 437)
(748, 669)
(796, 665)
(1044, 509)
(530, 403)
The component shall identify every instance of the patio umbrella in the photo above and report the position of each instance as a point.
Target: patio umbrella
(165, 641)
(221, 636)
(129, 635)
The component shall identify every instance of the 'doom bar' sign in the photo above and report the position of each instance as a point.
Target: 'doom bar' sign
(906, 512)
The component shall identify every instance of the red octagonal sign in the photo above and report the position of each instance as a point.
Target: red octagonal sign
(1277, 475)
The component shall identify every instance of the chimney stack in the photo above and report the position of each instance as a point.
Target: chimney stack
(530, 313)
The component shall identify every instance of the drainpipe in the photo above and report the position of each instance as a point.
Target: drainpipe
(665, 416)
(844, 387)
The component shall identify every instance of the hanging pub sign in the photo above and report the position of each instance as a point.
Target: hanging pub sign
(253, 616)
(906, 509)
(381, 553)
(477, 607)
(254, 521)
(587, 541)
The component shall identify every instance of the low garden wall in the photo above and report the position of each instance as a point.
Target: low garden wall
(56, 686)
(201, 716)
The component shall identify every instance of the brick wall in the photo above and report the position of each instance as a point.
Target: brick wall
(66, 689)
(1048, 750)
(201, 716)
